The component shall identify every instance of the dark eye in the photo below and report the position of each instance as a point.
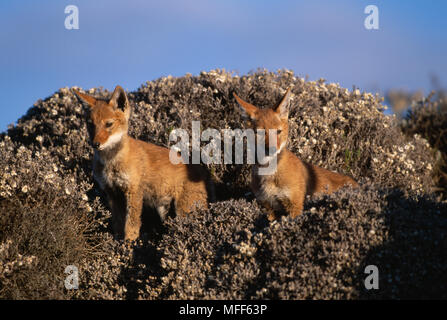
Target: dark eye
(109, 124)
(278, 132)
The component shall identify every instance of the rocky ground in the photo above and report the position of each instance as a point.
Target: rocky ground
(52, 215)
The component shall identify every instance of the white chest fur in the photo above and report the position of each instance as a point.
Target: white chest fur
(108, 174)
(268, 190)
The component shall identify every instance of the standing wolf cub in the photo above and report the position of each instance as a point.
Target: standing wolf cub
(133, 172)
(284, 191)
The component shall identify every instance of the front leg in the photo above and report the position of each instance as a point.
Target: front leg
(134, 208)
(162, 211)
(117, 205)
(271, 215)
(292, 206)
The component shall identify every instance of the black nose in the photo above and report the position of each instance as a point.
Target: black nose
(96, 145)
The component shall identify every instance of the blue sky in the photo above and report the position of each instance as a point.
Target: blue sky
(131, 42)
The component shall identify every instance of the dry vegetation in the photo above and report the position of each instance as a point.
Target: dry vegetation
(428, 118)
(52, 215)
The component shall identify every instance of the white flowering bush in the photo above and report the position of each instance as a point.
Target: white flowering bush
(52, 214)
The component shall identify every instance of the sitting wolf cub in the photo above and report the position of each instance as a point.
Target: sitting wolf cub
(133, 172)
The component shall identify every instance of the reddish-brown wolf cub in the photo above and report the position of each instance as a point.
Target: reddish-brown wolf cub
(132, 172)
(284, 190)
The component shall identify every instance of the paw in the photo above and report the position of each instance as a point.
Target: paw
(271, 216)
(131, 236)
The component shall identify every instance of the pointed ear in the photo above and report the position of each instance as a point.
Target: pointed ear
(283, 108)
(119, 99)
(248, 110)
(86, 98)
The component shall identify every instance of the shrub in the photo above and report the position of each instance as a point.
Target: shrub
(52, 215)
(46, 223)
(428, 118)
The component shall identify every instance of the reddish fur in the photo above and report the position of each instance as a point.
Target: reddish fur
(285, 190)
(134, 172)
